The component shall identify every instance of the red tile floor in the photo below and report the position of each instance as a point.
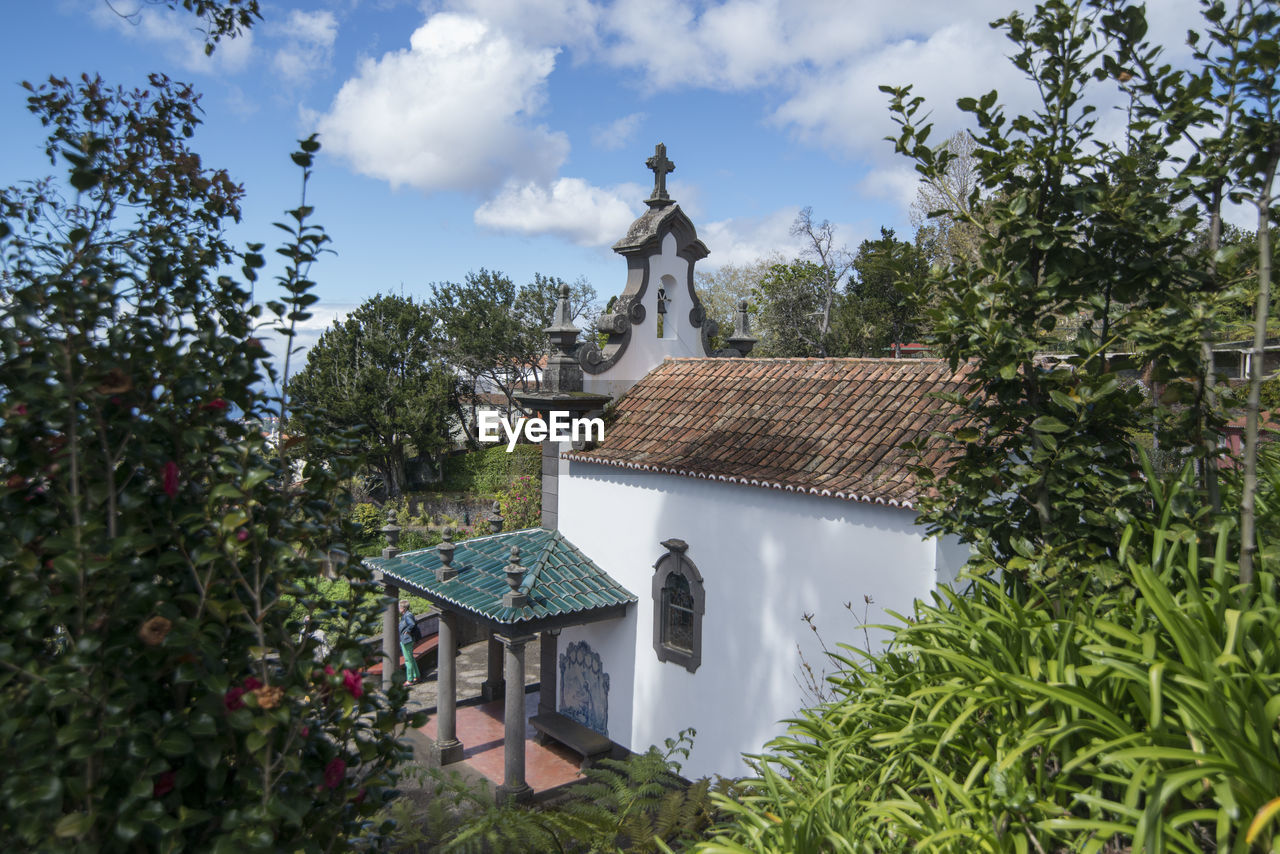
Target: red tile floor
(480, 729)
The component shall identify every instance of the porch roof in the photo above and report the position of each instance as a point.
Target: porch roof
(563, 586)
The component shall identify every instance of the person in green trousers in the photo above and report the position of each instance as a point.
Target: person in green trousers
(407, 623)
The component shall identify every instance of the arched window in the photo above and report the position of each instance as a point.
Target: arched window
(678, 604)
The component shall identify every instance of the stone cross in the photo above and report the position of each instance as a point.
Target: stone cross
(660, 166)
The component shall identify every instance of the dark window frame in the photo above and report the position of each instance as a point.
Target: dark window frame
(676, 562)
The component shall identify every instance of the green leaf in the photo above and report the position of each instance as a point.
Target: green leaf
(73, 825)
(1048, 424)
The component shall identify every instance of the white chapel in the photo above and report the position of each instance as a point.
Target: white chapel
(732, 502)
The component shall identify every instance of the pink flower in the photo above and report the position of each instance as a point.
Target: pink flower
(328, 670)
(306, 730)
(334, 772)
(215, 405)
(164, 784)
(232, 700)
(171, 479)
(352, 682)
(20, 409)
(242, 535)
(251, 684)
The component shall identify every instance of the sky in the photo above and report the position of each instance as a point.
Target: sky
(512, 134)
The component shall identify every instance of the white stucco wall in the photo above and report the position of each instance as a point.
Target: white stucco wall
(646, 350)
(767, 558)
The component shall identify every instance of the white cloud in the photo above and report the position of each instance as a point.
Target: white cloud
(616, 133)
(308, 44)
(179, 38)
(742, 240)
(569, 208)
(844, 110)
(896, 183)
(453, 111)
(544, 23)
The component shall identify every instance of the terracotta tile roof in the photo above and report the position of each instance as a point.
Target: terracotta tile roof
(822, 426)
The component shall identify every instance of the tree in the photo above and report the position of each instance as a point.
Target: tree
(536, 307)
(381, 375)
(830, 265)
(793, 309)
(157, 695)
(722, 288)
(1074, 226)
(883, 300)
(947, 237)
(1239, 159)
(221, 18)
(495, 331)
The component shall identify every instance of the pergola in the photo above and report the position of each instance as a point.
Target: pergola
(518, 584)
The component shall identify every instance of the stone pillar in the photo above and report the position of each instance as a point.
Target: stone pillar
(448, 748)
(551, 485)
(549, 669)
(493, 686)
(390, 637)
(391, 618)
(514, 786)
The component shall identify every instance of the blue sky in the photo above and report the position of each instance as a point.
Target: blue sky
(512, 134)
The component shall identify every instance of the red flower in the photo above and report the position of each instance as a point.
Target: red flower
(360, 796)
(352, 682)
(163, 785)
(306, 730)
(251, 684)
(20, 409)
(232, 700)
(328, 670)
(334, 772)
(215, 405)
(171, 479)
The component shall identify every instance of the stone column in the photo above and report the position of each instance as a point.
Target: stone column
(390, 637)
(514, 786)
(551, 485)
(549, 671)
(448, 748)
(493, 686)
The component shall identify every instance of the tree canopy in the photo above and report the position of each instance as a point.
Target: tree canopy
(382, 375)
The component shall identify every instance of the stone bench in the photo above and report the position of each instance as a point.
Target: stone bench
(586, 742)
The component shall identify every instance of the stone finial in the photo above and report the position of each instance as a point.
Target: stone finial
(515, 572)
(392, 532)
(742, 340)
(446, 571)
(661, 167)
(515, 598)
(563, 373)
(495, 519)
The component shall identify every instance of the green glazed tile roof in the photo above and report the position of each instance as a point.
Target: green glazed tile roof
(558, 578)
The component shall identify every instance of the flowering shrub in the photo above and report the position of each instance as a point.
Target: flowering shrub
(158, 691)
(522, 503)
